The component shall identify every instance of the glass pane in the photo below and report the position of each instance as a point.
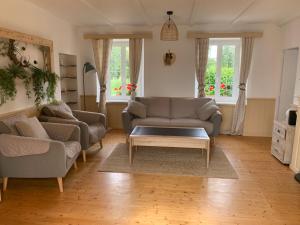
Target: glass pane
(210, 76)
(128, 85)
(115, 72)
(227, 71)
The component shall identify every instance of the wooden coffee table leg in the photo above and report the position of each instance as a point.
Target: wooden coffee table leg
(207, 153)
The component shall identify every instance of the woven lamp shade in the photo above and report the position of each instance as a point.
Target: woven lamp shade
(169, 31)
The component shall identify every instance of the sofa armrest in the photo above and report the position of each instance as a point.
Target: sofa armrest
(49, 164)
(127, 117)
(216, 119)
(90, 117)
(62, 132)
(84, 128)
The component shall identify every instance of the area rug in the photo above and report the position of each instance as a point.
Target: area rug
(169, 161)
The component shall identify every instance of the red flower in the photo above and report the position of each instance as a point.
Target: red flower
(211, 88)
(223, 86)
(128, 88)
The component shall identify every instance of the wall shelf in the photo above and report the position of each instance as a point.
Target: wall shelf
(68, 80)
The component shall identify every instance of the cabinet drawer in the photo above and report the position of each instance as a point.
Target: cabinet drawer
(277, 152)
(279, 130)
(278, 141)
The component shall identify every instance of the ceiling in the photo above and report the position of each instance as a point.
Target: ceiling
(187, 12)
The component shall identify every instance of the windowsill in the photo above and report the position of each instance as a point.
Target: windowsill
(226, 103)
(117, 101)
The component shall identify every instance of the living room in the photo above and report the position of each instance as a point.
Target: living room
(240, 176)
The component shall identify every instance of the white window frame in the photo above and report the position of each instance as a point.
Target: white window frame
(220, 43)
(123, 43)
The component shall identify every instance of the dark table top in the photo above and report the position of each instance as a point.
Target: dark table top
(169, 131)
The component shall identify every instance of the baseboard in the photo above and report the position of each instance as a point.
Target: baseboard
(294, 169)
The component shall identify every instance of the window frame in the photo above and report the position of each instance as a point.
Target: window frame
(220, 42)
(123, 43)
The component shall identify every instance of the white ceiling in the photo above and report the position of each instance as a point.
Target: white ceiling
(187, 12)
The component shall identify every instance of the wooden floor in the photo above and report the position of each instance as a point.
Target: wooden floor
(265, 193)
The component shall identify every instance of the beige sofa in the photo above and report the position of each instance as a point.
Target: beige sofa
(173, 112)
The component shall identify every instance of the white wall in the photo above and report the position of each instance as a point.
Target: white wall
(178, 79)
(25, 17)
(291, 39)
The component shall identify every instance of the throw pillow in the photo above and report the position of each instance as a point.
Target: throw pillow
(136, 108)
(205, 111)
(31, 127)
(64, 115)
(9, 124)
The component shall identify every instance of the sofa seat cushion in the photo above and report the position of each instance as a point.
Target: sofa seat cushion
(156, 106)
(72, 148)
(208, 126)
(151, 121)
(96, 132)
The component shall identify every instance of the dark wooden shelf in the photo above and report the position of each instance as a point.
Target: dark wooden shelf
(66, 91)
(71, 103)
(68, 65)
(68, 77)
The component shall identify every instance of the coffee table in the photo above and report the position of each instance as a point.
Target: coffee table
(180, 137)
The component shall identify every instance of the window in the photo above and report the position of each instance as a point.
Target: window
(222, 72)
(118, 81)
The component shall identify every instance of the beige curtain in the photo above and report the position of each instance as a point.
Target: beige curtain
(135, 56)
(239, 111)
(102, 51)
(202, 45)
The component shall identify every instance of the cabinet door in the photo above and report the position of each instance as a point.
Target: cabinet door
(288, 80)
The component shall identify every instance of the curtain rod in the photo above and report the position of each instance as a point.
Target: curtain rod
(144, 35)
(196, 34)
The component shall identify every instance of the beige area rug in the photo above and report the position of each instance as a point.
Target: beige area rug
(169, 161)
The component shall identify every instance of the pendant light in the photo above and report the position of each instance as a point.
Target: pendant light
(169, 31)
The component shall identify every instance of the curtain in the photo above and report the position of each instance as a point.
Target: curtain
(102, 51)
(135, 56)
(239, 111)
(202, 45)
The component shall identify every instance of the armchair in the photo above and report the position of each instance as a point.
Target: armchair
(64, 148)
(92, 125)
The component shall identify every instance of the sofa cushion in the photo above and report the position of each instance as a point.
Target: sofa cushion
(72, 148)
(96, 132)
(64, 114)
(8, 125)
(183, 108)
(208, 126)
(31, 127)
(156, 106)
(151, 121)
(137, 108)
(50, 109)
(205, 111)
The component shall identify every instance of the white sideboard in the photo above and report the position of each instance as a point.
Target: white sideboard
(282, 141)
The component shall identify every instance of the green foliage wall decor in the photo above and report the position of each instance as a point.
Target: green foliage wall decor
(42, 81)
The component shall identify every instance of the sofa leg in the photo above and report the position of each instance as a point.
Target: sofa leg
(5, 181)
(100, 143)
(60, 184)
(75, 165)
(84, 155)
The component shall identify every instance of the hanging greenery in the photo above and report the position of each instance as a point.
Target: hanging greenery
(41, 81)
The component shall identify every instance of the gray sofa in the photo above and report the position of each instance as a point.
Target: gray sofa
(54, 163)
(92, 125)
(172, 112)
